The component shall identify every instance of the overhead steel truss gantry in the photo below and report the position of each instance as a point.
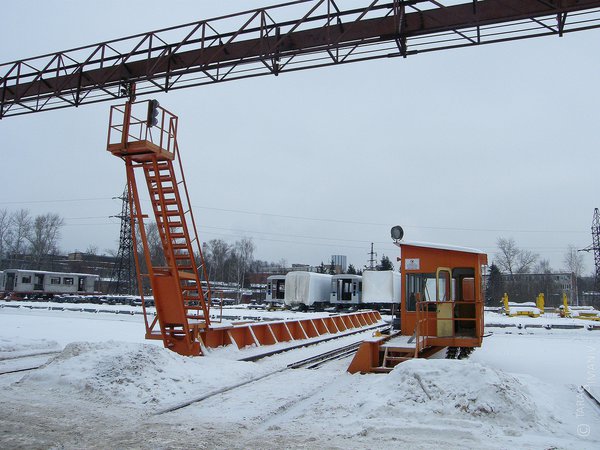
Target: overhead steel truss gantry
(266, 41)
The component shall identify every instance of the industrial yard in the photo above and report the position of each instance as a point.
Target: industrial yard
(181, 339)
(109, 388)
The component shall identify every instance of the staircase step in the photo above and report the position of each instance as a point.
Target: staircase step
(161, 179)
(165, 190)
(159, 165)
(398, 358)
(186, 275)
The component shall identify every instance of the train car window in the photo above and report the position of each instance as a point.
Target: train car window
(26, 280)
(55, 280)
(68, 281)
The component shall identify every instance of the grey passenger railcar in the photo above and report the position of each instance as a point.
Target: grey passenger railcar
(38, 283)
(346, 290)
(275, 289)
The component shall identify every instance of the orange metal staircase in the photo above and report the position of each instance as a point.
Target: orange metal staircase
(182, 304)
(179, 283)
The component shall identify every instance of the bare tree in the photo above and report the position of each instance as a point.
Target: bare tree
(20, 225)
(543, 266)
(526, 260)
(43, 236)
(244, 250)
(4, 233)
(218, 252)
(92, 249)
(573, 261)
(157, 253)
(507, 257)
(511, 259)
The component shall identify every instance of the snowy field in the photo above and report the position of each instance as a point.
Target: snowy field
(106, 387)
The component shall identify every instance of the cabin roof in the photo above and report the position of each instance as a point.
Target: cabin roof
(454, 248)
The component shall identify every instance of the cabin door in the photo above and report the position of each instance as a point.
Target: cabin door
(81, 284)
(443, 282)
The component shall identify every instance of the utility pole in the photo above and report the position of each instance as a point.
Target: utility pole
(372, 259)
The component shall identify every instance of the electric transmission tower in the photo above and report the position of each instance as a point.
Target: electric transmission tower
(372, 259)
(123, 275)
(595, 247)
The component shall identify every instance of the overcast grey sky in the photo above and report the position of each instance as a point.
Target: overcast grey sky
(459, 147)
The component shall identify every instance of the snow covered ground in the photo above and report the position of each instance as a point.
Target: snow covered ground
(108, 387)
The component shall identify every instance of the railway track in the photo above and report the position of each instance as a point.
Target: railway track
(317, 361)
(313, 362)
(591, 397)
(24, 363)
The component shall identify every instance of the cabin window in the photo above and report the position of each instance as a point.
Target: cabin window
(445, 286)
(68, 281)
(26, 279)
(55, 280)
(419, 287)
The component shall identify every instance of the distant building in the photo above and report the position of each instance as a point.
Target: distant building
(339, 262)
(524, 287)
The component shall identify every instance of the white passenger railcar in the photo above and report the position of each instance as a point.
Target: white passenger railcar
(307, 289)
(381, 289)
(39, 283)
(275, 289)
(346, 290)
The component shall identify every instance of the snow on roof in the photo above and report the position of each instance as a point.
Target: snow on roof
(440, 246)
(45, 272)
(349, 276)
(276, 277)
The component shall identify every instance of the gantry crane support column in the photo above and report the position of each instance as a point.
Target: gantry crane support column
(221, 49)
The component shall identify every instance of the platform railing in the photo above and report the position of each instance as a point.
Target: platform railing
(424, 311)
(163, 134)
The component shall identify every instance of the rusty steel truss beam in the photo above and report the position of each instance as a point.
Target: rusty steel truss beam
(263, 41)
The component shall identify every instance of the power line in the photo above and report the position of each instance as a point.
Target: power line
(71, 200)
(315, 219)
(351, 222)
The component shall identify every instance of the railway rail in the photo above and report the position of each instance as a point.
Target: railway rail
(313, 362)
(593, 399)
(24, 363)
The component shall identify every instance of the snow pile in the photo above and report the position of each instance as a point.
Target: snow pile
(420, 404)
(513, 310)
(450, 387)
(133, 374)
(437, 393)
